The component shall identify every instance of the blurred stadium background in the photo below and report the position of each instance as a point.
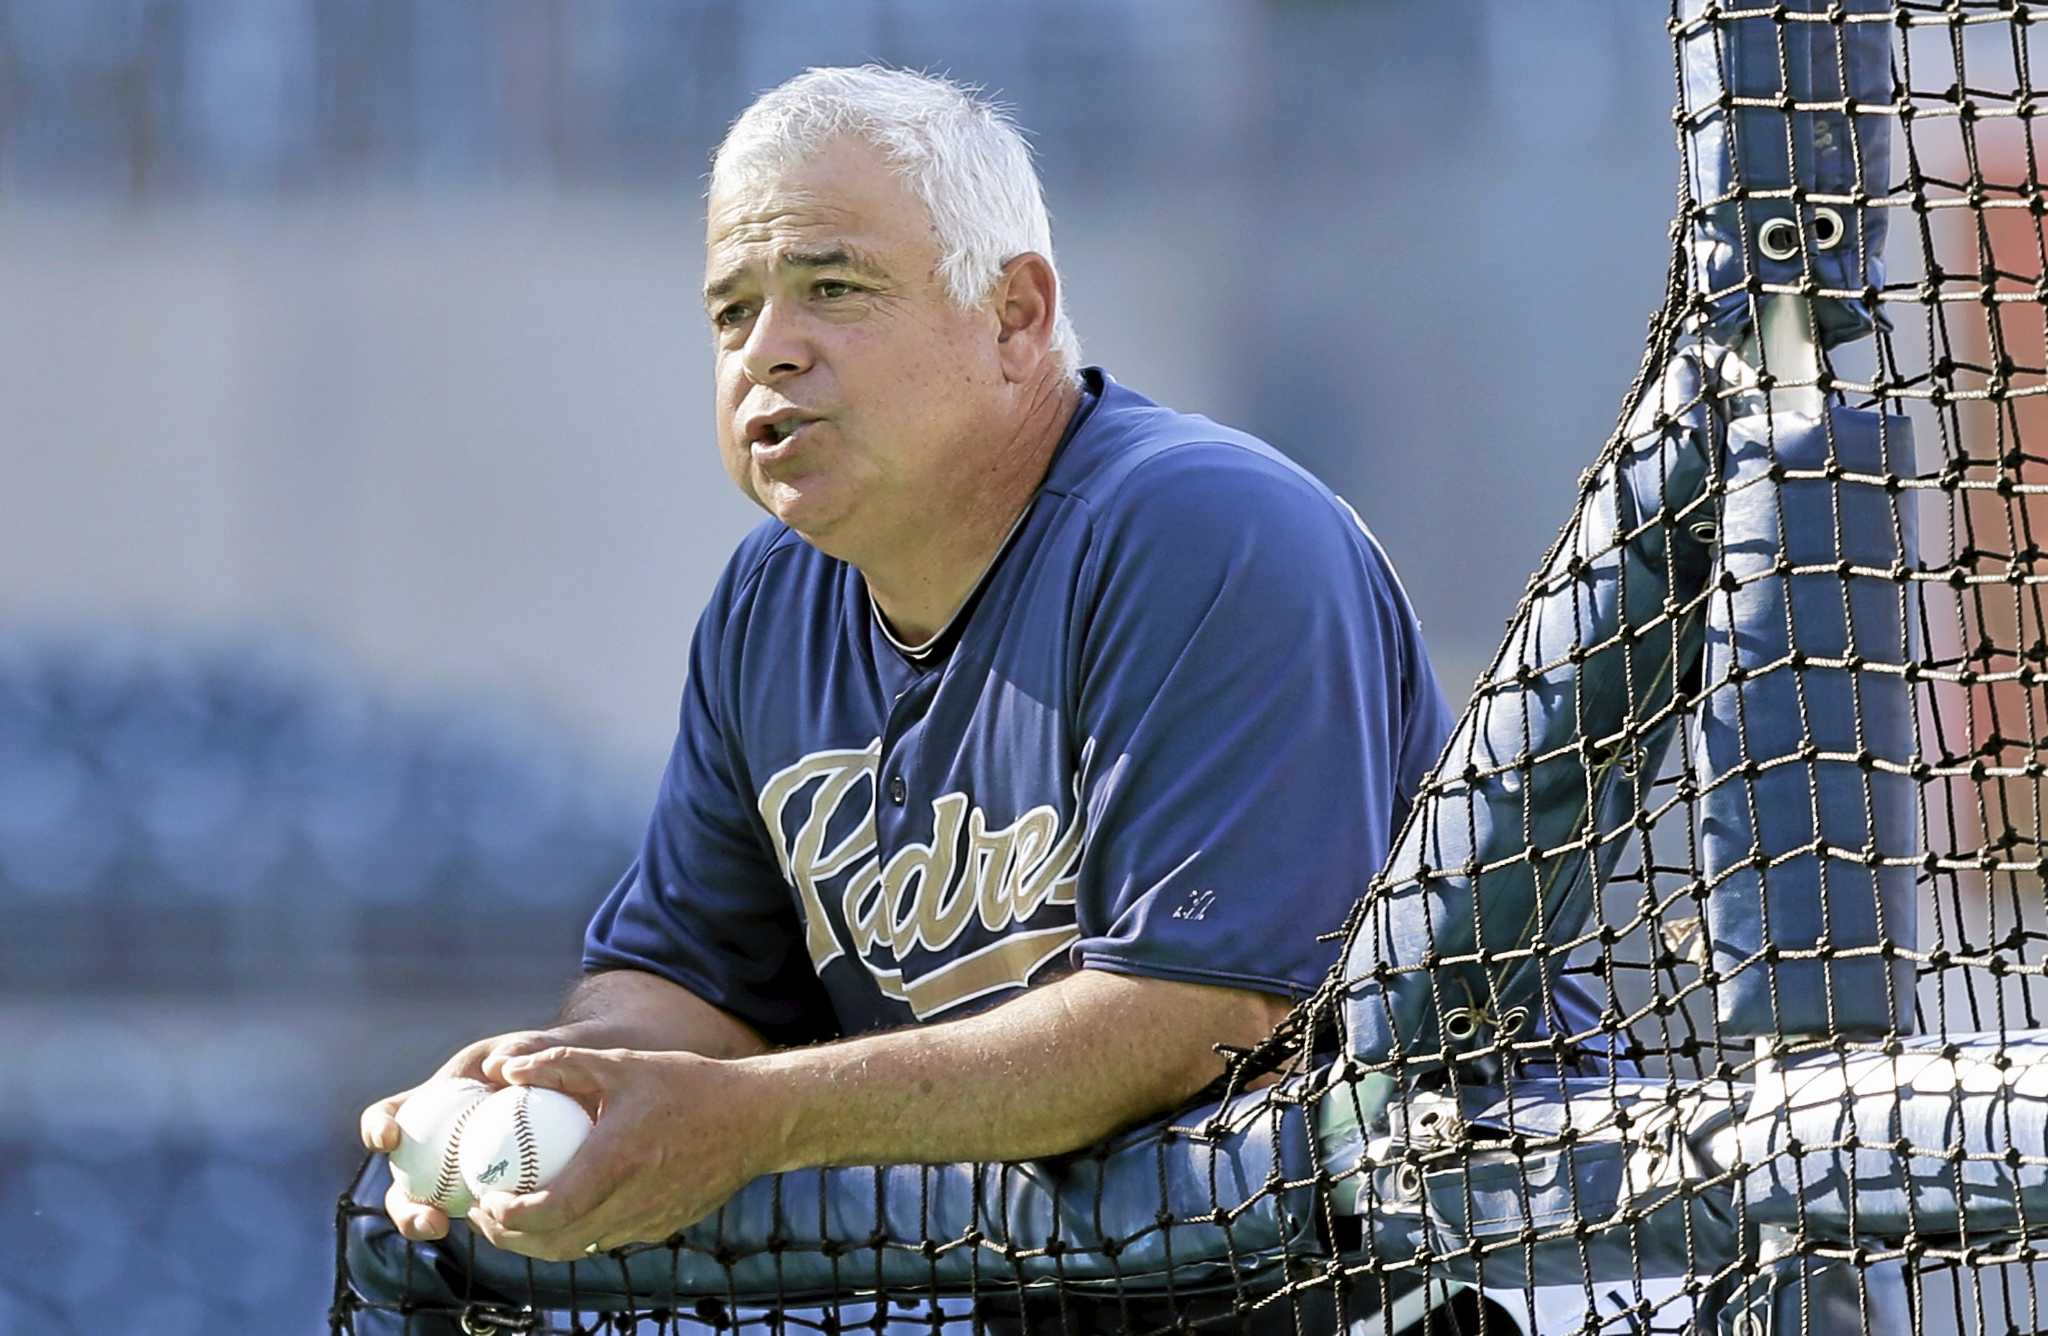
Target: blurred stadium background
(359, 495)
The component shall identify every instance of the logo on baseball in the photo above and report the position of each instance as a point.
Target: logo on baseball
(519, 1138)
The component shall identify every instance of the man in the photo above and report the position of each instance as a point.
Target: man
(1024, 751)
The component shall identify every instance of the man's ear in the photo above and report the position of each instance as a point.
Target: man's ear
(1026, 296)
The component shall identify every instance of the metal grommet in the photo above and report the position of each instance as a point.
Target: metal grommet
(1460, 1024)
(1704, 531)
(1778, 238)
(1408, 1181)
(1512, 1021)
(1828, 228)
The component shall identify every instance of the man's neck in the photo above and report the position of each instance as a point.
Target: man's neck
(919, 589)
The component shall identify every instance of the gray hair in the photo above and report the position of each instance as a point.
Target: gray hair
(959, 153)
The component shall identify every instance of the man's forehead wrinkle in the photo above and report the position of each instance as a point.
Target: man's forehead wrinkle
(756, 245)
(796, 220)
(787, 207)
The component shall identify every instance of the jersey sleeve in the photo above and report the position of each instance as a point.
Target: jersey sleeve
(704, 904)
(1258, 713)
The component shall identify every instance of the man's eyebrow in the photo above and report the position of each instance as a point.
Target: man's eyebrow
(837, 257)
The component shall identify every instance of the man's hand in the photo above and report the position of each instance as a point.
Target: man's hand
(483, 1060)
(675, 1137)
(616, 1007)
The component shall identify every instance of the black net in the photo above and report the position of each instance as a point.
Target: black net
(1703, 989)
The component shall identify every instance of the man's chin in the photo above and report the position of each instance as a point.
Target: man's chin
(815, 518)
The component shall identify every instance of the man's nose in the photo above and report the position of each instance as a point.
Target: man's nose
(777, 345)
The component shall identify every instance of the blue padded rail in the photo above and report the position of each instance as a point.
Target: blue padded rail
(1805, 760)
(1835, 161)
(1823, 1140)
(1514, 1176)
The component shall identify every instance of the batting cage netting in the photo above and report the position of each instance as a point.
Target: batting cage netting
(1703, 989)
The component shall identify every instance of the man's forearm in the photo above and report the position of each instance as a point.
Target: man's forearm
(631, 1009)
(1060, 1067)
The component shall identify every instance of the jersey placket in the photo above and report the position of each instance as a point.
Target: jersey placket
(896, 768)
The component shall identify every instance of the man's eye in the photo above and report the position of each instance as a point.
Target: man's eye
(728, 316)
(830, 288)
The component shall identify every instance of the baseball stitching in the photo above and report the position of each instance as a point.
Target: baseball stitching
(529, 1153)
(451, 1160)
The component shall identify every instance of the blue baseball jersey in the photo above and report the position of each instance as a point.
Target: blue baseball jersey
(1171, 734)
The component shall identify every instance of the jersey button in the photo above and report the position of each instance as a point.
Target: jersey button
(897, 789)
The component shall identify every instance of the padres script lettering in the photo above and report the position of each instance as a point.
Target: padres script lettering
(928, 896)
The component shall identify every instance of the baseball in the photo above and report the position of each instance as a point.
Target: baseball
(430, 1125)
(519, 1138)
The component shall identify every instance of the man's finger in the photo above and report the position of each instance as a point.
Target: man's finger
(512, 1046)
(379, 1124)
(416, 1220)
(538, 1227)
(539, 1212)
(541, 1247)
(573, 1071)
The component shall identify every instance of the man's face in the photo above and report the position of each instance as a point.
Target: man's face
(852, 390)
